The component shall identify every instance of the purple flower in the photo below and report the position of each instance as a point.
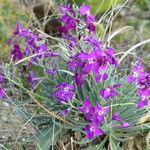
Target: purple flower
(101, 77)
(84, 9)
(32, 79)
(142, 80)
(138, 72)
(144, 92)
(125, 125)
(91, 27)
(86, 106)
(100, 113)
(142, 103)
(21, 31)
(91, 61)
(109, 92)
(94, 114)
(65, 8)
(69, 22)
(63, 29)
(87, 109)
(93, 131)
(2, 93)
(16, 31)
(64, 112)
(110, 56)
(16, 53)
(90, 19)
(138, 67)
(63, 92)
(78, 79)
(116, 117)
(18, 28)
(94, 42)
(26, 51)
(50, 71)
(95, 61)
(130, 78)
(31, 43)
(1, 79)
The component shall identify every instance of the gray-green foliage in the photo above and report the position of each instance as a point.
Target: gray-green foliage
(51, 131)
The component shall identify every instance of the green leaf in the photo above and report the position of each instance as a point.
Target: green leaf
(46, 137)
(51, 137)
(101, 145)
(83, 141)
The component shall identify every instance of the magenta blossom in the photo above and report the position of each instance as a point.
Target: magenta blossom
(65, 8)
(93, 131)
(50, 71)
(2, 93)
(109, 92)
(137, 72)
(84, 9)
(1, 79)
(142, 103)
(68, 19)
(91, 27)
(94, 42)
(16, 52)
(101, 77)
(142, 80)
(95, 115)
(96, 61)
(100, 113)
(116, 116)
(31, 43)
(63, 92)
(78, 79)
(32, 79)
(90, 19)
(64, 112)
(125, 125)
(87, 109)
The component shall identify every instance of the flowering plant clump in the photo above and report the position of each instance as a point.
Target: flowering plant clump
(77, 81)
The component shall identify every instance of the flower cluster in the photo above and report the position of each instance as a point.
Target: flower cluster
(96, 115)
(32, 79)
(70, 19)
(96, 61)
(142, 80)
(98, 57)
(87, 58)
(30, 45)
(110, 91)
(90, 19)
(63, 92)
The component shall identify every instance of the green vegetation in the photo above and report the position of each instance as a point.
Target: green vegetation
(10, 14)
